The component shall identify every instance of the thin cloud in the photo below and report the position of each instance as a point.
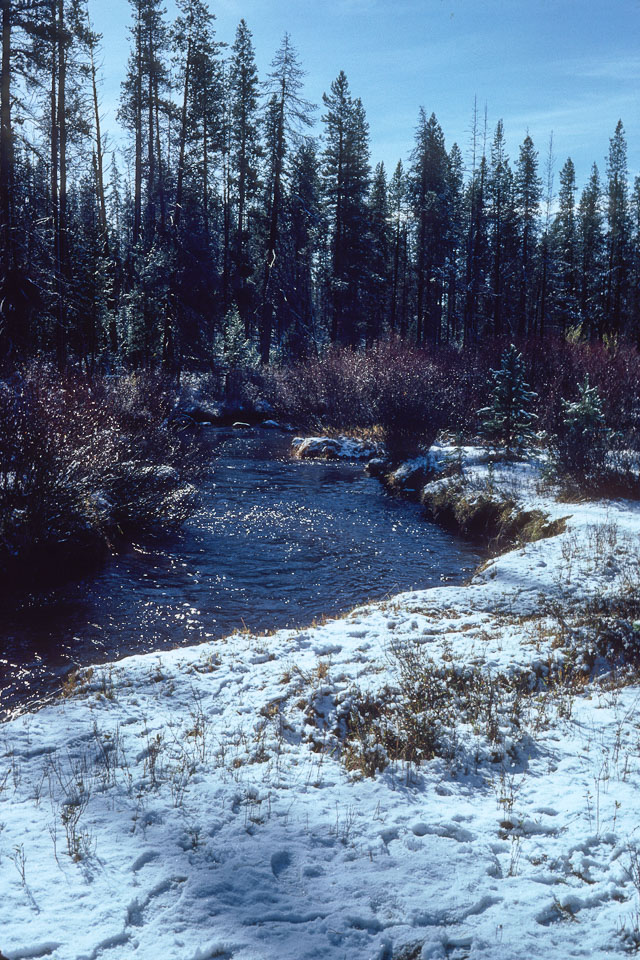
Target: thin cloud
(618, 69)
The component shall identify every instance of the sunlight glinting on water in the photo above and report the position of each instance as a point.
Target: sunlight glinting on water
(275, 543)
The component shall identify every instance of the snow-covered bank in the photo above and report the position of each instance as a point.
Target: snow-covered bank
(211, 801)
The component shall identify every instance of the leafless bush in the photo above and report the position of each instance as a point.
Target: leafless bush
(82, 461)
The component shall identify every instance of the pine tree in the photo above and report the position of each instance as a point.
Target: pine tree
(475, 238)
(618, 239)
(245, 153)
(508, 420)
(346, 176)
(501, 218)
(199, 74)
(455, 183)
(399, 213)
(634, 304)
(527, 195)
(592, 256)
(544, 281)
(581, 447)
(143, 105)
(565, 249)
(301, 233)
(429, 196)
(26, 50)
(377, 270)
(288, 113)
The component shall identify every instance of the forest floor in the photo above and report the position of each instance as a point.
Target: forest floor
(452, 773)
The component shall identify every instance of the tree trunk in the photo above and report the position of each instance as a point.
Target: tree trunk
(137, 196)
(6, 142)
(63, 240)
(267, 315)
(183, 139)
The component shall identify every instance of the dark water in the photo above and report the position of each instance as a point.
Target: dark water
(276, 543)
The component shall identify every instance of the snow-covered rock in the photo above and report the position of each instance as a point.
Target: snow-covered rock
(334, 448)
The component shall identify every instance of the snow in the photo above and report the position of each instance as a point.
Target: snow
(194, 804)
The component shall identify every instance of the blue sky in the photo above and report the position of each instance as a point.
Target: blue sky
(567, 66)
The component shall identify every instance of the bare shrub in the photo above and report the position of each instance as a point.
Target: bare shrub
(82, 461)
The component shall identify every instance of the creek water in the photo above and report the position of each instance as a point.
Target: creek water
(275, 543)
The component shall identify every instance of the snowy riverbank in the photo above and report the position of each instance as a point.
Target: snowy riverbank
(214, 801)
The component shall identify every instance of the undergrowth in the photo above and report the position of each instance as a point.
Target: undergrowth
(82, 462)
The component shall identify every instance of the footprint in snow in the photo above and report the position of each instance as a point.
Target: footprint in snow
(164, 895)
(451, 831)
(280, 862)
(147, 857)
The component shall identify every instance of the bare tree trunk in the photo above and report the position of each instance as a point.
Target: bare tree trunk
(150, 219)
(6, 142)
(183, 139)
(269, 263)
(63, 239)
(161, 195)
(100, 194)
(137, 190)
(205, 176)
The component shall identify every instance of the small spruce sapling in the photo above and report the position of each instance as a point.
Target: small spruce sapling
(235, 353)
(233, 347)
(508, 420)
(580, 448)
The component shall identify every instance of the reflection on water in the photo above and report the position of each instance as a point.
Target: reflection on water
(275, 543)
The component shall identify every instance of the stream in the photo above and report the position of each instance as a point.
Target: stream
(275, 543)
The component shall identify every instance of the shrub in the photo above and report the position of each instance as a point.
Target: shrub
(81, 462)
(347, 389)
(389, 385)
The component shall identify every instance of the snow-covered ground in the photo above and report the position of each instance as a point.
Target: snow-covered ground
(198, 803)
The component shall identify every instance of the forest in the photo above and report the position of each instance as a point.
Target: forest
(226, 216)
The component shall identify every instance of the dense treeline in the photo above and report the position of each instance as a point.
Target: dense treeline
(224, 215)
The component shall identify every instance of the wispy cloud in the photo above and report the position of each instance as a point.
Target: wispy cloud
(618, 69)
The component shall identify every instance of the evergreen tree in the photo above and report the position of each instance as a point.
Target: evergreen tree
(143, 106)
(346, 175)
(300, 242)
(399, 213)
(618, 240)
(634, 304)
(475, 240)
(197, 146)
(199, 81)
(545, 259)
(288, 113)
(24, 68)
(527, 195)
(565, 249)
(233, 349)
(592, 256)
(508, 420)
(377, 269)
(501, 217)
(245, 153)
(581, 447)
(455, 181)
(429, 195)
